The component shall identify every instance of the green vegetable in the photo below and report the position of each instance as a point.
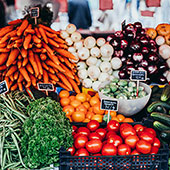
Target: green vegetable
(113, 88)
(155, 89)
(115, 80)
(106, 90)
(165, 135)
(160, 109)
(44, 132)
(122, 83)
(160, 126)
(166, 93)
(132, 84)
(163, 118)
(142, 93)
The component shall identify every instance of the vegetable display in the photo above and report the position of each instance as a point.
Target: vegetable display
(44, 132)
(115, 139)
(31, 54)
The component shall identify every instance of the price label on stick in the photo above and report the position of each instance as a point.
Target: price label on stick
(123, 24)
(138, 75)
(34, 13)
(45, 87)
(3, 87)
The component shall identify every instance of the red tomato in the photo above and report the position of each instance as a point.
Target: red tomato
(150, 130)
(154, 150)
(102, 132)
(93, 125)
(82, 152)
(109, 149)
(156, 143)
(127, 131)
(138, 128)
(149, 137)
(143, 146)
(97, 154)
(110, 133)
(131, 140)
(113, 125)
(115, 140)
(83, 131)
(74, 128)
(94, 135)
(125, 125)
(94, 146)
(135, 152)
(80, 141)
(71, 149)
(124, 149)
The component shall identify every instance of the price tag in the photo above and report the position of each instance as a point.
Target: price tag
(109, 104)
(123, 24)
(138, 75)
(45, 87)
(3, 87)
(34, 13)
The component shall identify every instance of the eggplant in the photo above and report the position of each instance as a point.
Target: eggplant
(118, 53)
(123, 44)
(152, 69)
(143, 63)
(138, 57)
(145, 50)
(135, 46)
(123, 74)
(129, 68)
(163, 67)
(153, 57)
(115, 43)
(119, 34)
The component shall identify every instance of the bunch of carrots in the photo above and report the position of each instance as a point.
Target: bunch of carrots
(31, 54)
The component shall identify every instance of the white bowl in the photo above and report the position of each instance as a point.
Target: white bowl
(129, 107)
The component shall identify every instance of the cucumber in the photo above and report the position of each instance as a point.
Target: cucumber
(155, 89)
(165, 135)
(160, 109)
(166, 93)
(153, 105)
(160, 126)
(163, 118)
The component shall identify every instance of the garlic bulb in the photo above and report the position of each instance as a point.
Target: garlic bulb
(71, 28)
(106, 50)
(76, 36)
(91, 61)
(101, 41)
(104, 77)
(87, 83)
(83, 53)
(95, 85)
(95, 52)
(116, 63)
(78, 44)
(71, 49)
(77, 58)
(81, 65)
(105, 66)
(90, 42)
(82, 74)
(93, 72)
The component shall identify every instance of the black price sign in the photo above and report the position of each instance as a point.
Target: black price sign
(45, 87)
(109, 104)
(138, 75)
(3, 87)
(34, 12)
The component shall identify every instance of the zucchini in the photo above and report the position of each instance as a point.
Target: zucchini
(163, 118)
(160, 109)
(153, 105)
(155, 89)
(165, 135)
(166, 93)
(160, 126)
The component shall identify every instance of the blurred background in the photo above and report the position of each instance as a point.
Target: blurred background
(95, 15)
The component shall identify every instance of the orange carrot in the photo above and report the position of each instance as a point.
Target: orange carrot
(19, 57)
(56, 70)
(30, 46)
(77, 79)
(29, 68)
(7, 36)
(11, 70)
(37, 59)
(45, 77)
(53, 43)
(64, 80)
(39, 50)
(60, 58)
(68, 72)
(4, 73)
(3, 58)
(3, 44)
(74, 85)
(3, 67)
(19, 41)
(19, 63)
(54, 58)
(36, 39)
(17, 21)
(9, 83)
(5, 30)
(11, 77)
(14, 38)
(37, 32)
(24, 73)
(51, 70)
(27, 41)
(50, 35)
(45, 66)
(28, 84)
(48, 29)
(16, 74)
(30, 31)
(14, 87)
(59, 40)
(20, 79)
(43, 57)
(53, 82)
(33, 80)
(17, 45)
(24, 52)
(4, 50)
(22, 27)
(67, 62)
(39, 76)
(38, 45)
(33, 62)
(53, 77)
(63, 46)
(65, 53)
(10, 45)
(20, 86)
(12, 56)
(47, 48)
(43, 34)
(52, 64)
(63, 86)
(25, 61)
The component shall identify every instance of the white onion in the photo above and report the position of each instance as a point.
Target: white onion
(82, 73)
(116, 63)
(76, 36)
(91, 61)
(116, 73)
(104, 77)
(106, 50)
(106, 58)
(168, 62)
(76, 56)
(71, 49)
(89, 42)
(164, 51)
(78, 44)
(93, 72)
(95, 52)
(69, 41)
(95, 85)
(168, 76)
(112, 77)
(71, 28)
(160, 40)
(105, 66)
(81, 65)
(87, 83)
(101, 41)
(110, 72)
(83, 53)
(98, 62)
(64, 34)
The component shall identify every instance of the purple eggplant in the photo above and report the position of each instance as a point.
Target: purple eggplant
(144, 41)
(137, 26)
(123, 74)
(110, 37)
(152, 43)
(119, 35)
(115, 43)
(135, 46)
(163, 67)
(138, 57)
(123, 44)
(153, 49)
(145, 50)
(118, 53)
(152, 69)
(153, 57)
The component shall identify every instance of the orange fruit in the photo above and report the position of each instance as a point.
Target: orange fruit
(89, 115)
(97, 95)
(68, 110)
(81, 97)
(94, 100)
(64, 93)
(69, 117)
(75, 103)
(90, 109)
(86, 120)
(97, 117)
(78, 116)
(112, 113)
(88, 97)
(81, 108)
(72, 98)
(87, 105)
(128, 120)
(120, 117)
(115, 118)
(97, 110)
(64, 101)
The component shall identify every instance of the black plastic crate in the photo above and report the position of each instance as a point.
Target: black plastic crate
(130, 162)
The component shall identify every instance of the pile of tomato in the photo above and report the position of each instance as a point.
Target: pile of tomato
(114, 139)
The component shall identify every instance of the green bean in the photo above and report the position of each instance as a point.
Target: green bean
(1, 145)
(4, 159)
(15, 134)
(14, 164)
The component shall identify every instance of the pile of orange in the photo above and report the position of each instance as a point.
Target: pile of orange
(83, 108)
